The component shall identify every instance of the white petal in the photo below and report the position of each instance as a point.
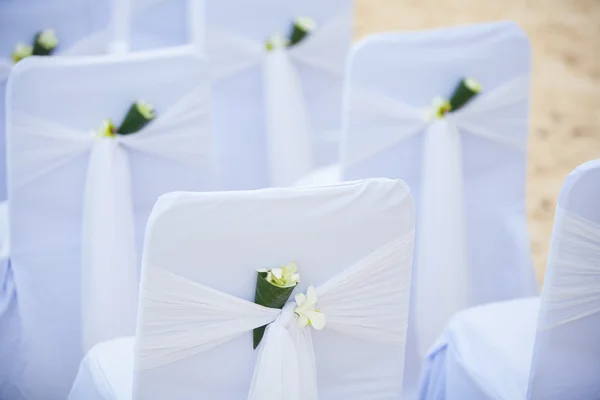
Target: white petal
(262, 270)
(291, 267)
(300, 299)
(311, 295)
(269, 277)
(302, 321)
(295, 278)
(317, 319)
(277, 273)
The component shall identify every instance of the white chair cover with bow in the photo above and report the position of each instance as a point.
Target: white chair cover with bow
(467, 170)
(189, 333)
(91, 293)
(537, 348)
(286, 119)
(74, 24)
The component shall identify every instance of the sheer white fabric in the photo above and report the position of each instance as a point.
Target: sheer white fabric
(367, 301)
(290, 127)
(574, 290)
(109, 270)
(569, 314)
(537, 348)
(442, 222)
(287, 123)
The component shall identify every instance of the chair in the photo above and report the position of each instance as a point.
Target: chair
(536, 348)
(467, 170)
(184, 350)
(276, 114)
(74, 22)
(79, 202)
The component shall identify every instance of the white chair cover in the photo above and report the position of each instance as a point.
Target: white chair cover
(79, 203)
(74, 22)
(185, 348)
(277, 115)
(569, 319)
(467, 170)
(498, 351)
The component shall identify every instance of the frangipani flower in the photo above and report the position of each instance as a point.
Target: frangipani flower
(47, 39)
(307, 311)
(21, 51)
(286, 276)
(440, 107)
(107, 129)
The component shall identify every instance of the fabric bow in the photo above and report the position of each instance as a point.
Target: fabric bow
(181, 318)
(288, 125)
(109, 260)
(442, 276)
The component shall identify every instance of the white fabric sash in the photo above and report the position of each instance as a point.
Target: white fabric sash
(442, 278)
(183, 318)
(287, 120)
(109, 260)
(572, 292)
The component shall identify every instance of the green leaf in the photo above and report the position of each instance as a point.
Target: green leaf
(135, 120)
(464, 92)
(268, 295)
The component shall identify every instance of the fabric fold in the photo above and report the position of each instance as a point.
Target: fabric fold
(443, 273)
(109, 274)
(441, 277)
(288, 126)
(573, 292)
(109, 268)
(287, 121)
(182, 318)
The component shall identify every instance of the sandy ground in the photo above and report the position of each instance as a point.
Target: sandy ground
(565, 125)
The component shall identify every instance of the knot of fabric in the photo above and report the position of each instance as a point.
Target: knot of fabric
(287, 315)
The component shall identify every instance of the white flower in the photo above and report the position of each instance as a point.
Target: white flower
(107, 129)
(286, 276)
(307, 311)
(47, 39)
(277, 42)
(440, 107)
(21, 51)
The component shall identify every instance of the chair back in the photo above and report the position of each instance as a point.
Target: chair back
(352, 242)
(566, 357)
(79, 202)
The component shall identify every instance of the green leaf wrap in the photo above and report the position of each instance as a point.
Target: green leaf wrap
(38, 49)
(268, 295)
(462, 95)
(134, 121)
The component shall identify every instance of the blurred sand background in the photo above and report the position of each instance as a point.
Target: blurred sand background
(565, 125)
